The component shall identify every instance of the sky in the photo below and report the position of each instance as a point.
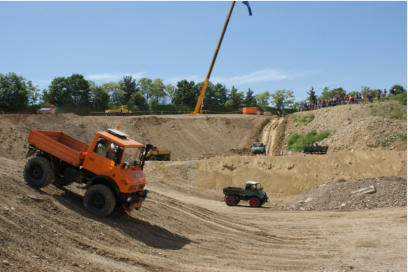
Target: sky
(283, 45)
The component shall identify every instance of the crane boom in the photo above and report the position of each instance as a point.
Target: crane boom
(207, 79)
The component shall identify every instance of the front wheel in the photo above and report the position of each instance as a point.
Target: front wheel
(99, 200)
(254, 202)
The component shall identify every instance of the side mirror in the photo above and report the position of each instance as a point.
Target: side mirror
(148, 147)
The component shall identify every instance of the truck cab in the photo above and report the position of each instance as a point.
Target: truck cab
(114, 156)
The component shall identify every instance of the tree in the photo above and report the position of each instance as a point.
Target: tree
(282, 99)
(157, 91)
(397, 89)
(129, 86)
(117, 96)
(145, 84)
(215, 95)
(325, 93)
(70, 91)
(100, 98)
(262, 100)
(170, 90)
(137, 101)
(365, 90)
(186, 94)
(14, 93)
(249, 100)
(312, 96)
(235, 99)
(337, 92)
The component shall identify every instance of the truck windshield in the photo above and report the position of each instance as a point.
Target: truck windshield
(133, 155)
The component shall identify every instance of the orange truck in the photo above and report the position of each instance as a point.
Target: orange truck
(251, 110)
(111, 167)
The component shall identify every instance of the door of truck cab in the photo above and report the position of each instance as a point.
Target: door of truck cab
(104, 158)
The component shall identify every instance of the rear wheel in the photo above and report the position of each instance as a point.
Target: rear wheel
(230, 201)
(254, 202)
(38, 172)
(99, 200)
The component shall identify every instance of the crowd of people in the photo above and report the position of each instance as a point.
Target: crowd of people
(343, 100)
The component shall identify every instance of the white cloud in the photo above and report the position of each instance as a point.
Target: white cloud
(255, 77)
(112, 76)
(266, 75)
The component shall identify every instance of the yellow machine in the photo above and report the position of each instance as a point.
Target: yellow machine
(122, 110)
(158, 155)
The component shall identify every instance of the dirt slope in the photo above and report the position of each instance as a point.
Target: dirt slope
(294, 174)
(186, 230)
(186, 135)
(352, 127)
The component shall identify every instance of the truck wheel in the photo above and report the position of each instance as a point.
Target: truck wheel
(38, 172)
(254, 202)
(230, 200)
(99, 200)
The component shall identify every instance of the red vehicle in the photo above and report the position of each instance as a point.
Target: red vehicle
(46, 109)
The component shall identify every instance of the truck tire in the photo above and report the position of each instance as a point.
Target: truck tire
(99, 200)
(230, 201)
(38, 172)
(254, 202)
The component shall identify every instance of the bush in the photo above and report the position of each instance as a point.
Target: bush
(303, 119)
(401, 98)
(390, 109)
(298, 142)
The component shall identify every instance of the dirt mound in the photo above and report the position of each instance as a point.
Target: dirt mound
(295, 174)
(187, 136)
(352, 127)
(361, 194)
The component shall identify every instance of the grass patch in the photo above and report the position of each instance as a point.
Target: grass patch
(297, 142)
(400, 98)
(390, 110)
(388, 139)
(303, 120)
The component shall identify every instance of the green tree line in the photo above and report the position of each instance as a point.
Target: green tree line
(75, 93)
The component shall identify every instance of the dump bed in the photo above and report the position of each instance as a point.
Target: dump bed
(59, 145)
(232, 190)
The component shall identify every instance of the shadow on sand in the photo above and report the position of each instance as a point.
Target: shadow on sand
(151, 235)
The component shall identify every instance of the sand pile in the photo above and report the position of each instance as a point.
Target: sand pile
(361, 194)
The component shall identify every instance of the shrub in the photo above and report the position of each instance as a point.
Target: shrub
(391, 110)
(303, 120)
(298, 142)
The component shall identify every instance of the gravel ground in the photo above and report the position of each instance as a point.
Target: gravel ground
(347, 195)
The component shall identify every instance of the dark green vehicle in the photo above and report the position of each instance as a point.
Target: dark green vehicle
(252, 192)
(258, 148)
(315, 149)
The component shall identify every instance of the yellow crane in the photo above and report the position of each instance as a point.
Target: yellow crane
(199, 105)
